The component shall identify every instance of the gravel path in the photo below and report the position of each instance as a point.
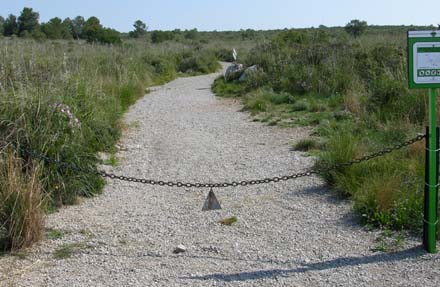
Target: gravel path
(287, 234)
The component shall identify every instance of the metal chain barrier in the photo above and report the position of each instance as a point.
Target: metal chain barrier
(310, 172)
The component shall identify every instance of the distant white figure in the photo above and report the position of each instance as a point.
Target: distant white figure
(234, 54)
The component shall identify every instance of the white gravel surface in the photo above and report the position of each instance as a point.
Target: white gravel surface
(288, 234)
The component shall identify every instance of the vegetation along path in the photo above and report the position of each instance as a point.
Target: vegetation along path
(291, 233)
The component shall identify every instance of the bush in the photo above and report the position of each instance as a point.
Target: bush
(224, 55)
(109, 36)
(161, 36)
(356, 27)
(282, 98)
(300, 106)
(129, 93)
(291, 37)
(198, 64)
(384, 93)
(387, 191)
(228, 89)
(262, 99)
(340, 147)
(162, 68)
(256, 102)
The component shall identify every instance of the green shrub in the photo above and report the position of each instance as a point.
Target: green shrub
(300, 106)
(161, 68)
(161, 36)
(392, 193)
(387, 191)
(283, 98)
(228, 89)
(385, 91)
(340, 147)
(263, 99)
(291, 37)
(129, 93)
(196, 63)
(224, 55)
(109, 36)
(256, 102)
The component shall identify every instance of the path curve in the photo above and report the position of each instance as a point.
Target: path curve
(288, 234)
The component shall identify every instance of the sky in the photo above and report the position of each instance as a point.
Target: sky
(221, 15)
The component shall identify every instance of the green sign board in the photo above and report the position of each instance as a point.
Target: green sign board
(424, 59)
(424, 73)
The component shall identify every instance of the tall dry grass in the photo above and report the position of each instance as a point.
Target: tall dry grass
(21, 194)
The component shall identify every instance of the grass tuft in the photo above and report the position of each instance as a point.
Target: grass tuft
(306, 145)
(66, 251)
(54, 234)
(21, 201)
(112, 160)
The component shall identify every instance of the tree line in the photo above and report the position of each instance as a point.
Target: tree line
(27, 25)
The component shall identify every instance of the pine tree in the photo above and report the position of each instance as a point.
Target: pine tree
(27, 21)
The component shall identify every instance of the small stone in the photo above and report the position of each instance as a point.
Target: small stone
(179, 249)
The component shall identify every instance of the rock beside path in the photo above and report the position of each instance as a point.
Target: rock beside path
(248, 72)
(233, 72)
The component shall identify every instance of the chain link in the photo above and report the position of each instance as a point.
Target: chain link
(275, 179)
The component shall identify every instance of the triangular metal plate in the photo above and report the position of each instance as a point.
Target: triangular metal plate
(211, 202)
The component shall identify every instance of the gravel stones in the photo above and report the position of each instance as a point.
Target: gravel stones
(293, 233)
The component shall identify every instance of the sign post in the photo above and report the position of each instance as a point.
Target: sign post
(234, 54)
(424, 72)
